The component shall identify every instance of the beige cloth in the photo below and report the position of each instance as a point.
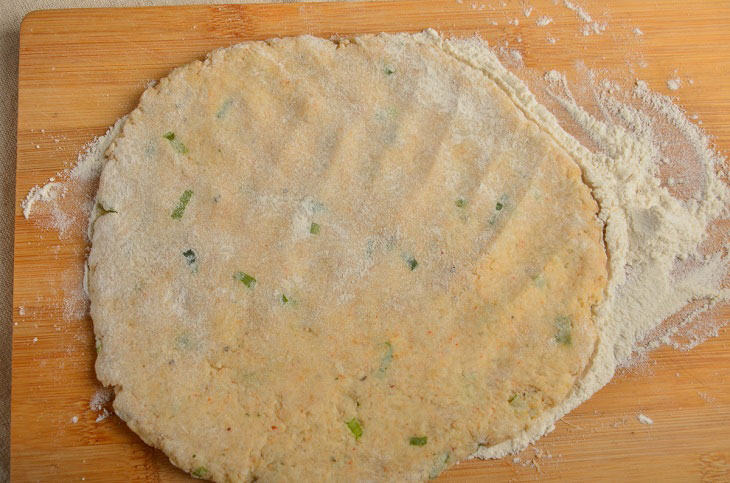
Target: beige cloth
(11, 14)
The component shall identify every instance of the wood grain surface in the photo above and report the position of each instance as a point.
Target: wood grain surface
(82, 69)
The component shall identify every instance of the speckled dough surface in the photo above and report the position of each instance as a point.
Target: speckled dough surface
(353, 262)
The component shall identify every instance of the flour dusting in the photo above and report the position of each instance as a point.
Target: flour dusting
(44, 193)
(643, 419)
(589, 26)
(543, 21)
(100, 398)
(59, 202)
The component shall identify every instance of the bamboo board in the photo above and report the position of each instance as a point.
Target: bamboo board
(82, 69)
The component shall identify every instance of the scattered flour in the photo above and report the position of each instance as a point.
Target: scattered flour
(644, 419)
(637, 31)
(674, 83)
(527, 11)
(75, 419)
(91, 160)
(100, 398)
(45, 193)
(551, 40)
(706, 397)
(87, 168)
(579, 11)
(593, 28)
(543, 21)
(511, 56)
(589, 25)
(103, 415)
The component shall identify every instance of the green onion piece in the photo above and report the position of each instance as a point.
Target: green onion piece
(369, 247)
(177, 213)
(501, 202)
(190, 256)
(176, 145)
(412, 263)
(515, 400)
(224, 108)
(418, 440)
(183, 342)
(284, 299)
(314, 229)
(387, 358)
(389, 71)
(539, 280)
(98, 346)
(179, 147)
(245, 278)
(563, 326)
(200, 472)
(355, 428)
(460, 202)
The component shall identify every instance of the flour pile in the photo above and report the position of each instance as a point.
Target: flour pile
(663, 195)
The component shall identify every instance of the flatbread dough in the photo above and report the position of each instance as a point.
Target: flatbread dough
(338, 261)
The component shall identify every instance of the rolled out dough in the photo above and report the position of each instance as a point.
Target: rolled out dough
(350, 261)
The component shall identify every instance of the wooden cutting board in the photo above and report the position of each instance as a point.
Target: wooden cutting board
(82, 69)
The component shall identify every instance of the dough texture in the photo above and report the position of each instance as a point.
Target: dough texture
(353, 261)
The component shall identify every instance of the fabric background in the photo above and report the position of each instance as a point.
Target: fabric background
(11, 14)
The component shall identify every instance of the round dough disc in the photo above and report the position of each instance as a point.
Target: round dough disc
(351, 261)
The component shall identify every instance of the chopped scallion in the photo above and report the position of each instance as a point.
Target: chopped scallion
(177, 213)
(418, 440)
(200, 472)
(176, 144)
(563, 333)
(387, 358)
(224, 108)
(190, 256)
(355, 428)
(245, 279)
